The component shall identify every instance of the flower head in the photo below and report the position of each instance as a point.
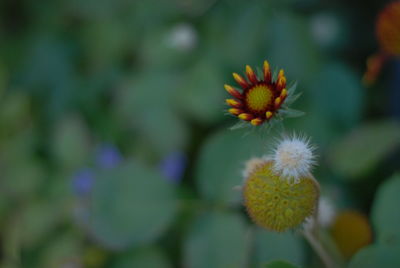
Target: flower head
(351, 231)
(293, 158)
(388, 35)
(261, 97)
(388, 28)
(276, 204)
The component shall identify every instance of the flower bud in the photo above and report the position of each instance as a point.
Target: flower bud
(275, 203)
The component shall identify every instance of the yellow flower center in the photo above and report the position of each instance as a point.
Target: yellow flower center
(276, 204)
(259, 98)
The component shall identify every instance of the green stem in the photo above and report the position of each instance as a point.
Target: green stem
(312, 234)
(319, 249)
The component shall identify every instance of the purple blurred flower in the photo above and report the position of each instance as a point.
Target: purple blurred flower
(82, 182)
(108, 156)
(173, 166)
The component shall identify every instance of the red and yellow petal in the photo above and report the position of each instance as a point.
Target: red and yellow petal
(281, 74)
(267, 72)
(281, 83)
(246, 116)
(281, 80)
(277, 102)
(240, 80)
(233, 92)
(235, 111)
(268, 114)
(234, 103)
(251, 75)
(284, 93)
(256, 121)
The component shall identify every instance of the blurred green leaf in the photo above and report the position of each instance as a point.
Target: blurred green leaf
(271, 246)
(221, 161)
(385, 216)
(143, 258)
(361, 151)
(195, 7)
(59, 191)
(49, 73)
(146, 105)
(104, 42)
(216, 239)
(337, 95)
(5, 205)
(235, 36)
(157, 50)
(36, 222)
(70, 143)
(23, 179)
(19, 147)
(63, 249)
(15, 112)
(280, 264)
(163, 129)
(11, 245)
(376, 256)
(95, 256)
(161, 13)
(290, 46)
(131, 205)
(4, 77)
(201, 95)
(321, 130)
(94, 9)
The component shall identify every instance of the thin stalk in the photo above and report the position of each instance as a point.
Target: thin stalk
(320, 250)
(312, 235)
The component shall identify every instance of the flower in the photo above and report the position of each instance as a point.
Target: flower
(293, 158)
(388, 29)
(276, 204)
(388, 35)
(173, 166)
(351, 231)
(260, 98)
(82, 182)
(108, 156)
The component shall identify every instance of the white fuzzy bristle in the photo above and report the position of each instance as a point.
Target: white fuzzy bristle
(293, 158)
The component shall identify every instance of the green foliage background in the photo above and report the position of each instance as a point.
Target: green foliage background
(147, 77)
